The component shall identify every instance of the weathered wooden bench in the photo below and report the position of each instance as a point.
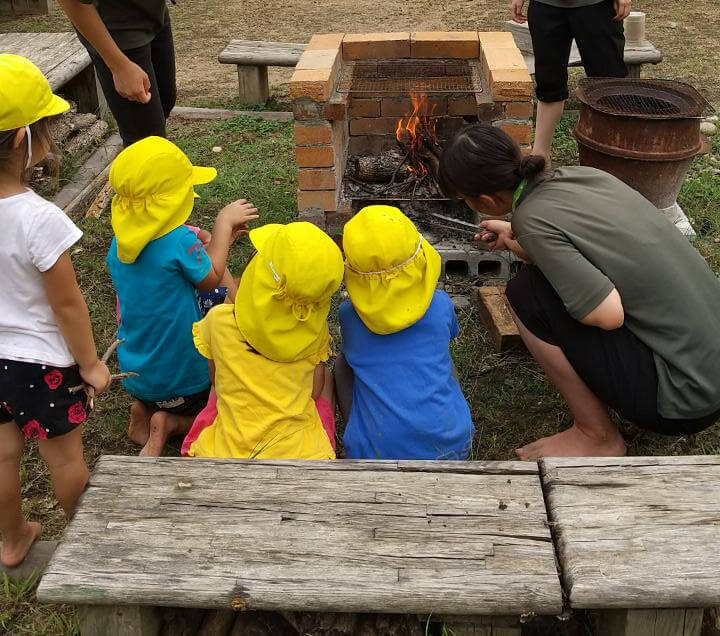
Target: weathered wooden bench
(252, 59)
(467, 541)
(63, 60)
(638, 538)
(635, 56)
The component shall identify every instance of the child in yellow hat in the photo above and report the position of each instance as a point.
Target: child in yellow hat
(396, 388)
(157, 265)
(275, 398)
(46, 340)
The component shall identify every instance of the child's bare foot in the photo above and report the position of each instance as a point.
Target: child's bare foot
(13, 553)
(574, 442)
(162, 426)
(139, 428)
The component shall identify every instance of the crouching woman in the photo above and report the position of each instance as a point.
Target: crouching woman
(616, 305)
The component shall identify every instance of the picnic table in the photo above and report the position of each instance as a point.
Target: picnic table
(63, 60)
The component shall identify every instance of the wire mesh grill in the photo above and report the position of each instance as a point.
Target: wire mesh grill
(396, 80)
(651, 98)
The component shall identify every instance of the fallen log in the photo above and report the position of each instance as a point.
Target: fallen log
(379, 168)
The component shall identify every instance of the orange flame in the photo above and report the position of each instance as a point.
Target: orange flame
(413, 129)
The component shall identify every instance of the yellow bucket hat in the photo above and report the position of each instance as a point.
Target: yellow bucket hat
(391, 271)
(283, 298)
(25, 95)
(154, 184)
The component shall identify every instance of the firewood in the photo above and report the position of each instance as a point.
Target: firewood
(379, 168)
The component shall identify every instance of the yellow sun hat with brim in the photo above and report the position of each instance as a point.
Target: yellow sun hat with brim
(25, 95)
(391, 271)
(283, 298)
(154, 193)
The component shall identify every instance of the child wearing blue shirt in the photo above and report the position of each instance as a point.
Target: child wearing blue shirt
(157, 264)
(396, 329)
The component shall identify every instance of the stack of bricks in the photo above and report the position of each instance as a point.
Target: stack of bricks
(329, 124)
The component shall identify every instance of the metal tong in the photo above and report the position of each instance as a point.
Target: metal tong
(457, 225)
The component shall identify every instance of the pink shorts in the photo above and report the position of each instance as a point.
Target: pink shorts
(207, 416)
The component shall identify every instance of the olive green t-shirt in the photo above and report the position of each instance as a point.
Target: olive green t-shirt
(131, 23)
(589, 232)
(570, 4)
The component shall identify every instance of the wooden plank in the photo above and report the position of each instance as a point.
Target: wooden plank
(60, 56)
(259, 53)
(309, 536)
(495, 314)
(636, 532)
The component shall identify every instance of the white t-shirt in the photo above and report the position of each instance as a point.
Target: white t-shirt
(34, 233)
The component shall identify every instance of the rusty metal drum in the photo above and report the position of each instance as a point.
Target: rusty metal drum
(645, 132)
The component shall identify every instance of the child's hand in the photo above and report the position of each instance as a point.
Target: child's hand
(238, 214)
(96, 376)
(204, 237)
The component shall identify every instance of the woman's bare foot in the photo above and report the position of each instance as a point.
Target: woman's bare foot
(574, 442)
(162, 426)
(13, 553)
(139, 428)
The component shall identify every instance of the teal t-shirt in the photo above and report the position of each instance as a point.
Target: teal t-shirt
(158, 305)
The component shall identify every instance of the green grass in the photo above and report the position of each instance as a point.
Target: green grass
(511, 400)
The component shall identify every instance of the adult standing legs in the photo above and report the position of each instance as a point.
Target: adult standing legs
(552, 39)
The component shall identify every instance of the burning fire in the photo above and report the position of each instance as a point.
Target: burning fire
(417, 133)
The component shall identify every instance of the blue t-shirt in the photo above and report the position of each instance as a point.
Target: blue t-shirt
(158, 306)
(406, 403)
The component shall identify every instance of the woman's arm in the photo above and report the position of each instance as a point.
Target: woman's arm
(71, 314)
(130, 80)
(608, 315)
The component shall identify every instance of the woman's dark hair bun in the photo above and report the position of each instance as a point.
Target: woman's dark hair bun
(531, 166)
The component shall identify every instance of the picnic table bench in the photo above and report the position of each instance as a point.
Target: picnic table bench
(63, 60)
(466, 540)
(639, 537)
(635, 55)
(252, 58)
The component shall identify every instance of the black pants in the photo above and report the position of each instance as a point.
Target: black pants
(135, 120)
(600, 40)
(615, 365)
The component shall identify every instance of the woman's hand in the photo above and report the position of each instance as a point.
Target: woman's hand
(495, 234)
(498, 235)
(131, 82)
(622, 9)
(96, 376)
(516, 9)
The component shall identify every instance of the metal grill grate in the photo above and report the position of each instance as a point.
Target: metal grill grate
(399, 79)
(651, 98)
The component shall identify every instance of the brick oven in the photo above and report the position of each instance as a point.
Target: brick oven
(373, 111)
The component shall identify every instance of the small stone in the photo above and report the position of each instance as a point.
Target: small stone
(712, 118)
(461, 302)
(217, 149)
(717, 240)
(673, 25)
(708, 128)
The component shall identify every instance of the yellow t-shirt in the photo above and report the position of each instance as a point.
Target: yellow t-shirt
(265, 408)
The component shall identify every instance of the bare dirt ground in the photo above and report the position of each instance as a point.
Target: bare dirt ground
(686, 32)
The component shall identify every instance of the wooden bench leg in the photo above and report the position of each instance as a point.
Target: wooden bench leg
(253, 84)
(634, 70)
(119, 620)
(650, 622)
(83, 90)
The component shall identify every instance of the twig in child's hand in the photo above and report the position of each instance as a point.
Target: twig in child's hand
(111, 349)
(115, 376)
